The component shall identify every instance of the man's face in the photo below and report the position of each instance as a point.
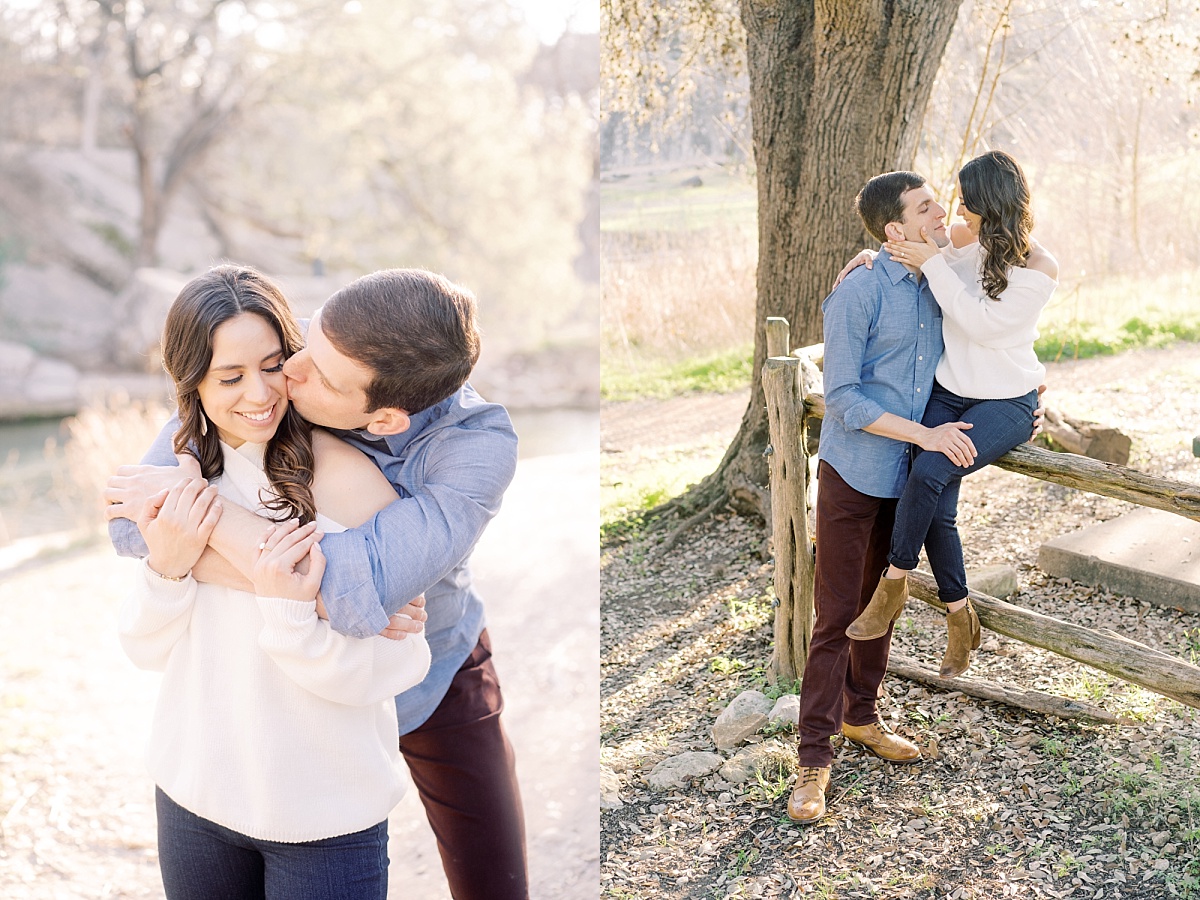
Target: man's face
(922, 211)
(327, 387)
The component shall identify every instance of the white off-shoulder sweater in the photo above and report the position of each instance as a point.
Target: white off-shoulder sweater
(268, 722)
(989, 343)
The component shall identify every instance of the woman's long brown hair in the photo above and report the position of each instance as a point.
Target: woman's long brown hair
(205, 303)
(995, 189)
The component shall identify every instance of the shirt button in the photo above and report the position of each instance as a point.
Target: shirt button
(922, 324)
(918, 390)
(919, 358)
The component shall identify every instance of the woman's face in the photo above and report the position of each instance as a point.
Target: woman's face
(244, 392)
(966, 215)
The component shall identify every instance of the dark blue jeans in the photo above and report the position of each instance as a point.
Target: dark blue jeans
(201, 860)
(928, 509)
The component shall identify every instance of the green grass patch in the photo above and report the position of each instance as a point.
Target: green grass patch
(648, 379)
(625, 496)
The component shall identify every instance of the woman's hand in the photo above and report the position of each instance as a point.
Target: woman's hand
(950, 440)
(913, 253)
(864, 258)
(176, 524)
(275, 573)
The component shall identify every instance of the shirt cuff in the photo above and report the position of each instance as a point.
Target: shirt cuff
(862, 414)
(354, 609)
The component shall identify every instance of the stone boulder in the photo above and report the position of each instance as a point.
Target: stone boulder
(740, 719)
(142, 308)
(677, 771)
(35, 386)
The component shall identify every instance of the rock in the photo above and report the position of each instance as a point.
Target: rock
(35, 386)
(143, 306)
(693, 182)
(772, 758)
(995, 581)
(740, 719)
(786, 707)
(677, 771)
(610, 789)
(15, 359)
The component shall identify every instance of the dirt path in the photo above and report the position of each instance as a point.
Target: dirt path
(76, 809)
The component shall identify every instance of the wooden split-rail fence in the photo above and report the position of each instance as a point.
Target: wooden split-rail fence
(791, 383)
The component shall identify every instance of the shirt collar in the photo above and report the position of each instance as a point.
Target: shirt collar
(896, 272)
(417, 423)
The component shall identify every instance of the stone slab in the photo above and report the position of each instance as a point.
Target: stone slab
(1148, 554)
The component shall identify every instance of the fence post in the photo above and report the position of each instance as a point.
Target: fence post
(778, 336)
(788, 463)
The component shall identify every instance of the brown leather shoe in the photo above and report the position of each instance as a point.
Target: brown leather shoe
(880, 740)
(885, 607)
(807, 802)
(962, 636)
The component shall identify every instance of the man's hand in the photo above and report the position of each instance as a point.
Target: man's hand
(176, 524)
(127, 492)
(950, 440)
(1039, 414)
(409, 620)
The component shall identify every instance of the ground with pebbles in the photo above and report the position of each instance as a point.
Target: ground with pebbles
(1007, 803)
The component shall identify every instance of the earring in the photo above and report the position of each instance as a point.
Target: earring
(203, 424)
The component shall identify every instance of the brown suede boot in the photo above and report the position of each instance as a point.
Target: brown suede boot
(962, 636)
(886, 604)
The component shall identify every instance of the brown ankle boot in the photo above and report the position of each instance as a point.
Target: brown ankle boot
(884, 609)
(962, 636)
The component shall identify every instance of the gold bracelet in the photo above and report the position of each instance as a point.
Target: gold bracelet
(154, 571)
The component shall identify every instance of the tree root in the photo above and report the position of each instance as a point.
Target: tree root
(673, 538)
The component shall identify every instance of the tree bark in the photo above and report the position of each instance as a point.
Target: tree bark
(837, 94)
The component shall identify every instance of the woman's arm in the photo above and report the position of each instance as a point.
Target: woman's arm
(175, 524)
(348, 670)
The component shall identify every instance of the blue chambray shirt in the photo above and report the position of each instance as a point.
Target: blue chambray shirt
(883, 340)
(450, 468)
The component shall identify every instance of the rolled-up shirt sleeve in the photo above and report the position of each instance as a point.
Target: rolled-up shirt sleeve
(375, 569)
(124, 534)
(845, 311)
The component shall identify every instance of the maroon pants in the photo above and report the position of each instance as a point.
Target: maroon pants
(462, 764)
(842, 677)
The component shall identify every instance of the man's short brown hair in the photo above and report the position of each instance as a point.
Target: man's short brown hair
(415, 330)
(881, 200)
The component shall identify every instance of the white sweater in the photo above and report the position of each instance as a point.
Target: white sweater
(989, 343)
(268, 722)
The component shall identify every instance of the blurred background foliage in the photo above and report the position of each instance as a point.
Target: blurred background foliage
(302, 137)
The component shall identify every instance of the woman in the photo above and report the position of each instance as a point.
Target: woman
(274, 742)
(991, 283)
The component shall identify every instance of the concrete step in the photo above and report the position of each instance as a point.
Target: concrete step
(1148, 554)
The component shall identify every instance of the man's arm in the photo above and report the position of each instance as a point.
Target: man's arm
(402, 551)
(122, 524)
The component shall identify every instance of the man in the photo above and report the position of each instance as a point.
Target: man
(883, 339)
(385, 368)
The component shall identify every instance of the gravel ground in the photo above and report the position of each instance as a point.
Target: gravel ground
(1007, 803)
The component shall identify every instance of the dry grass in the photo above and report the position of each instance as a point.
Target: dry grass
(674, 295)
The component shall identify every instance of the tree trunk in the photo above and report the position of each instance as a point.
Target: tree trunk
(837, 94)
